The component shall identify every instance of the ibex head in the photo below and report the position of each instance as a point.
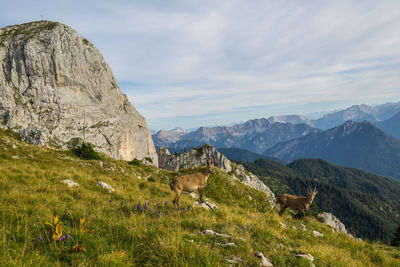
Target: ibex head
(210, 166)
(312, 193)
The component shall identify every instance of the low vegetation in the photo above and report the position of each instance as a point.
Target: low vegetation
(45, 222)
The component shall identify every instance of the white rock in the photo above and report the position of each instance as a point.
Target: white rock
(330, 220)
(305, 256)
(316, 233)
(206, 205)
(193, 195)
(106, 186)
(303, 227)
(69, 182)
(15, 157)
(282, 225)
(264, 260)
(211, 232)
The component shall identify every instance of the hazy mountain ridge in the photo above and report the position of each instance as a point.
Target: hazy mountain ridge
(254, 135)
(391, 126)
(358, 145)
(357, 113)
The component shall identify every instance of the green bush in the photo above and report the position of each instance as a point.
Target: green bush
(135, 162)
(82, 149)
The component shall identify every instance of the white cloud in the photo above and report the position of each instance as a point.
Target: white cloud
(179, 60)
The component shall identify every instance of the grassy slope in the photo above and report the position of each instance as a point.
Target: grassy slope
(31, 191)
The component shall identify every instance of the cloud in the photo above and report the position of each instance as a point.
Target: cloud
(181, 61)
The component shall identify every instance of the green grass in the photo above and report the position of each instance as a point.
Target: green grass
(31, 191)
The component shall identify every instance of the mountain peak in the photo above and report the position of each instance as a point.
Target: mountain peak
(57, 86)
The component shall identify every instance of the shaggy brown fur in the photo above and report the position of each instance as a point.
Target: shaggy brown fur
(299, 203)
(191, 182)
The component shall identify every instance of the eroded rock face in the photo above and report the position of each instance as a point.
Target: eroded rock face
(331, 220)
(192, 158)
(55, 85)
(196, 157)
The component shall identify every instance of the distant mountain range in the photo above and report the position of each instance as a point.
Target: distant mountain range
(357, 113)
(368, 204)
(254, 135)
(359, 145)
(391, 126)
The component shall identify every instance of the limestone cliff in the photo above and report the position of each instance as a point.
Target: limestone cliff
(196, 157)
(55, 85)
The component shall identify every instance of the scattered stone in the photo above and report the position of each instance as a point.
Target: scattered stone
(106, 186)
(264, 260)
(191, 240)
(330, 220)
(230, 244)
(316, 233)
(307, 256)
(193, 195)
(14, 146)
(211, 232)
(234, 260)
(249, 197)
(303, 227)
(206, 205)
(99, 162)
(294, 227)
(282, 225)
(15, 157)
(69, 182)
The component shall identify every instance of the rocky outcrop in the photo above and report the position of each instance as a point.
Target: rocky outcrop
(331, 220)
(193, 158)
(196, 157)
(55, 85)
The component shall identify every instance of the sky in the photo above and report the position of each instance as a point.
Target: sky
(194, 63)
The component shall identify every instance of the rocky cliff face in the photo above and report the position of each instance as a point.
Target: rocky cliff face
(330, 220)
(55, 85)
(196, 157)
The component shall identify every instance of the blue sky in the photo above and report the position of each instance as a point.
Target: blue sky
(191, 63)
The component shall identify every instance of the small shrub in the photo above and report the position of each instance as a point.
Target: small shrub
(135, 162)
(148, 159)
(83, 149)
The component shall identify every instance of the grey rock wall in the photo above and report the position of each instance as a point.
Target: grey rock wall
(196, 157)
(55, 85)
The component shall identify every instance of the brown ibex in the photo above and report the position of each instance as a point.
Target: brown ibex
(300, 203)
(191, 182)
